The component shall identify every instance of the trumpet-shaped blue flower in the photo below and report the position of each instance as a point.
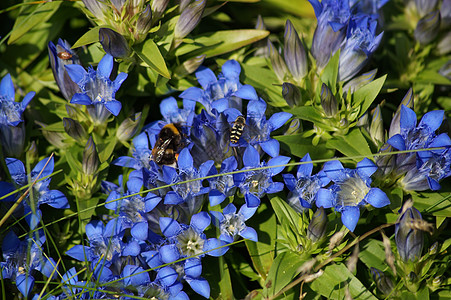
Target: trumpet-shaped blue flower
(333, 17)
(351, 189)
(41, 194)
(11, 111)
(22, 258)
(222, 186)
(231, 224)
(254, 184)
(361, 42)
(304, 186)
(97, 90)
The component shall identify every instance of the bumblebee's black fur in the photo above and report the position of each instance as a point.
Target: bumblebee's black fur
(169, 143)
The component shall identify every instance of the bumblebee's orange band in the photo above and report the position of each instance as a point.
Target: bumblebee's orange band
(172, 127)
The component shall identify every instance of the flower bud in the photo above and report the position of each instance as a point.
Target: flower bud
(90, 162)
(433, 249)
(96, 8)
(113, 43)
(295, 127)
(294, 53)
(183, 4)
(158, 7)
(377, 126)
(425, 6)
(383, 283)
(445, 14)
(291, 94)
(277, 62)
(71, 111)
(128, 128)
(12, 139)
(385, 163)
(427, 28)
(32, 153)
(74, 129)
(59, 56)
(189, 66)
(444, 44)
(317, 226)
(328, 102)
(409, 240)
(189, 18)
(446, 70)
(396, 120)
(359, 81)
(144, 22)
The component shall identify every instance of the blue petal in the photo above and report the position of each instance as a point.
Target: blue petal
(169, 174)
(139, 231)
(126, 161)
(119, 80)
(251, 158)
(247, 211)
(78, 252)
(251, 200)
(249, 233)
(377, 198)
(366, 168)
(173, 198)
(290, 181)
(80, 98)
(192, 93)
(193, 267)
(334, 170)
(305, 170)
(151, 201)
(113, 106)
(277, 161)
(229, 164)
(408, 118)
(220, 105)
(135, 276)
(217, 217)
(278, 119)
(167, 276)
(7, 87)
(33, 219)
(16, 170)
(432, 119)
(256, 109)
(275, 187)
(350, 216)
(216, 197)
(325, 198)
(168, 107)
(200, 286)
(48, 163)
(185, 160)
(397, 142)
(25, 283)
(317, 7)
(200, 221)
(132, 248)
(76, 72)
(105, 66)
(27, 99)
(135, 181)
(229, 209)
(169, 253)
(231, 70)
(214, 243)
(152, 258)
(55, 199)
(141, 141)
(169, 227)
(271, 147)
(94, 228)
(207, 168)
(205, 77)
(10, 243)
(433, 184)
(6, 188)
(246, 92)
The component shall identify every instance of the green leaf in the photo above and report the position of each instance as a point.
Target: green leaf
(352, 144)
(434, 203)
(372, 254)
(333, 282)
(220, 42)
(30, 17)
(218, 275)
(285, 214)
(330, 72)
(365, 95)
(151, 56)
(285, 267)
(262, 252)
(92, 36)
(299, 146)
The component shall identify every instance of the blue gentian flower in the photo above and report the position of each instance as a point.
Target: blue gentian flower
(333, 17)
(231, 224)
(304, 186)
(351, 189)
(41, 193)
(369, 7)
(60, 55)
(97, 90)
(222, 186)
(258, 130)
(361, 42)
(256, 183)
(141, 152)
(21, 258)
(217, 93)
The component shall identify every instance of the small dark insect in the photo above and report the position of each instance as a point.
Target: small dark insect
(237, 129)
(169, 142)
(64, 55)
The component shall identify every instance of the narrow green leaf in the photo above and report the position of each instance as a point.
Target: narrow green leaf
(30, 17)
(330, 72)
(365, 95)
(372, 254)
(92, 36)
(353, 144)
(299, 146)
(220, 42)
(434, 203)
(151, 56)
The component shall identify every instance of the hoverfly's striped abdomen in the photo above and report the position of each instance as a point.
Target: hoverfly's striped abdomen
(237, 129)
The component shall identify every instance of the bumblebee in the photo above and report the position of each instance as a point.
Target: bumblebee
(237, 129)
(169, 143)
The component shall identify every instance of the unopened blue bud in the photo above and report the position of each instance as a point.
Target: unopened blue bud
(158, 7)
(446, 70)
(427, 28)
(409, 240)
(359, 81)
(189, 66)
(425, 6)
(386, 163)
(328, 102)
(445, 14)
(189, 18)
(128, 128)
(74, 129)
(317, 226)
(90, 162)
(113, 43)
(277, 62)
(383, 283)
(395, 125)
(377, 126)
(144, 22)
(96, 7)
(294, 53)
(291, 94)
(12, 139)
(444, 44)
